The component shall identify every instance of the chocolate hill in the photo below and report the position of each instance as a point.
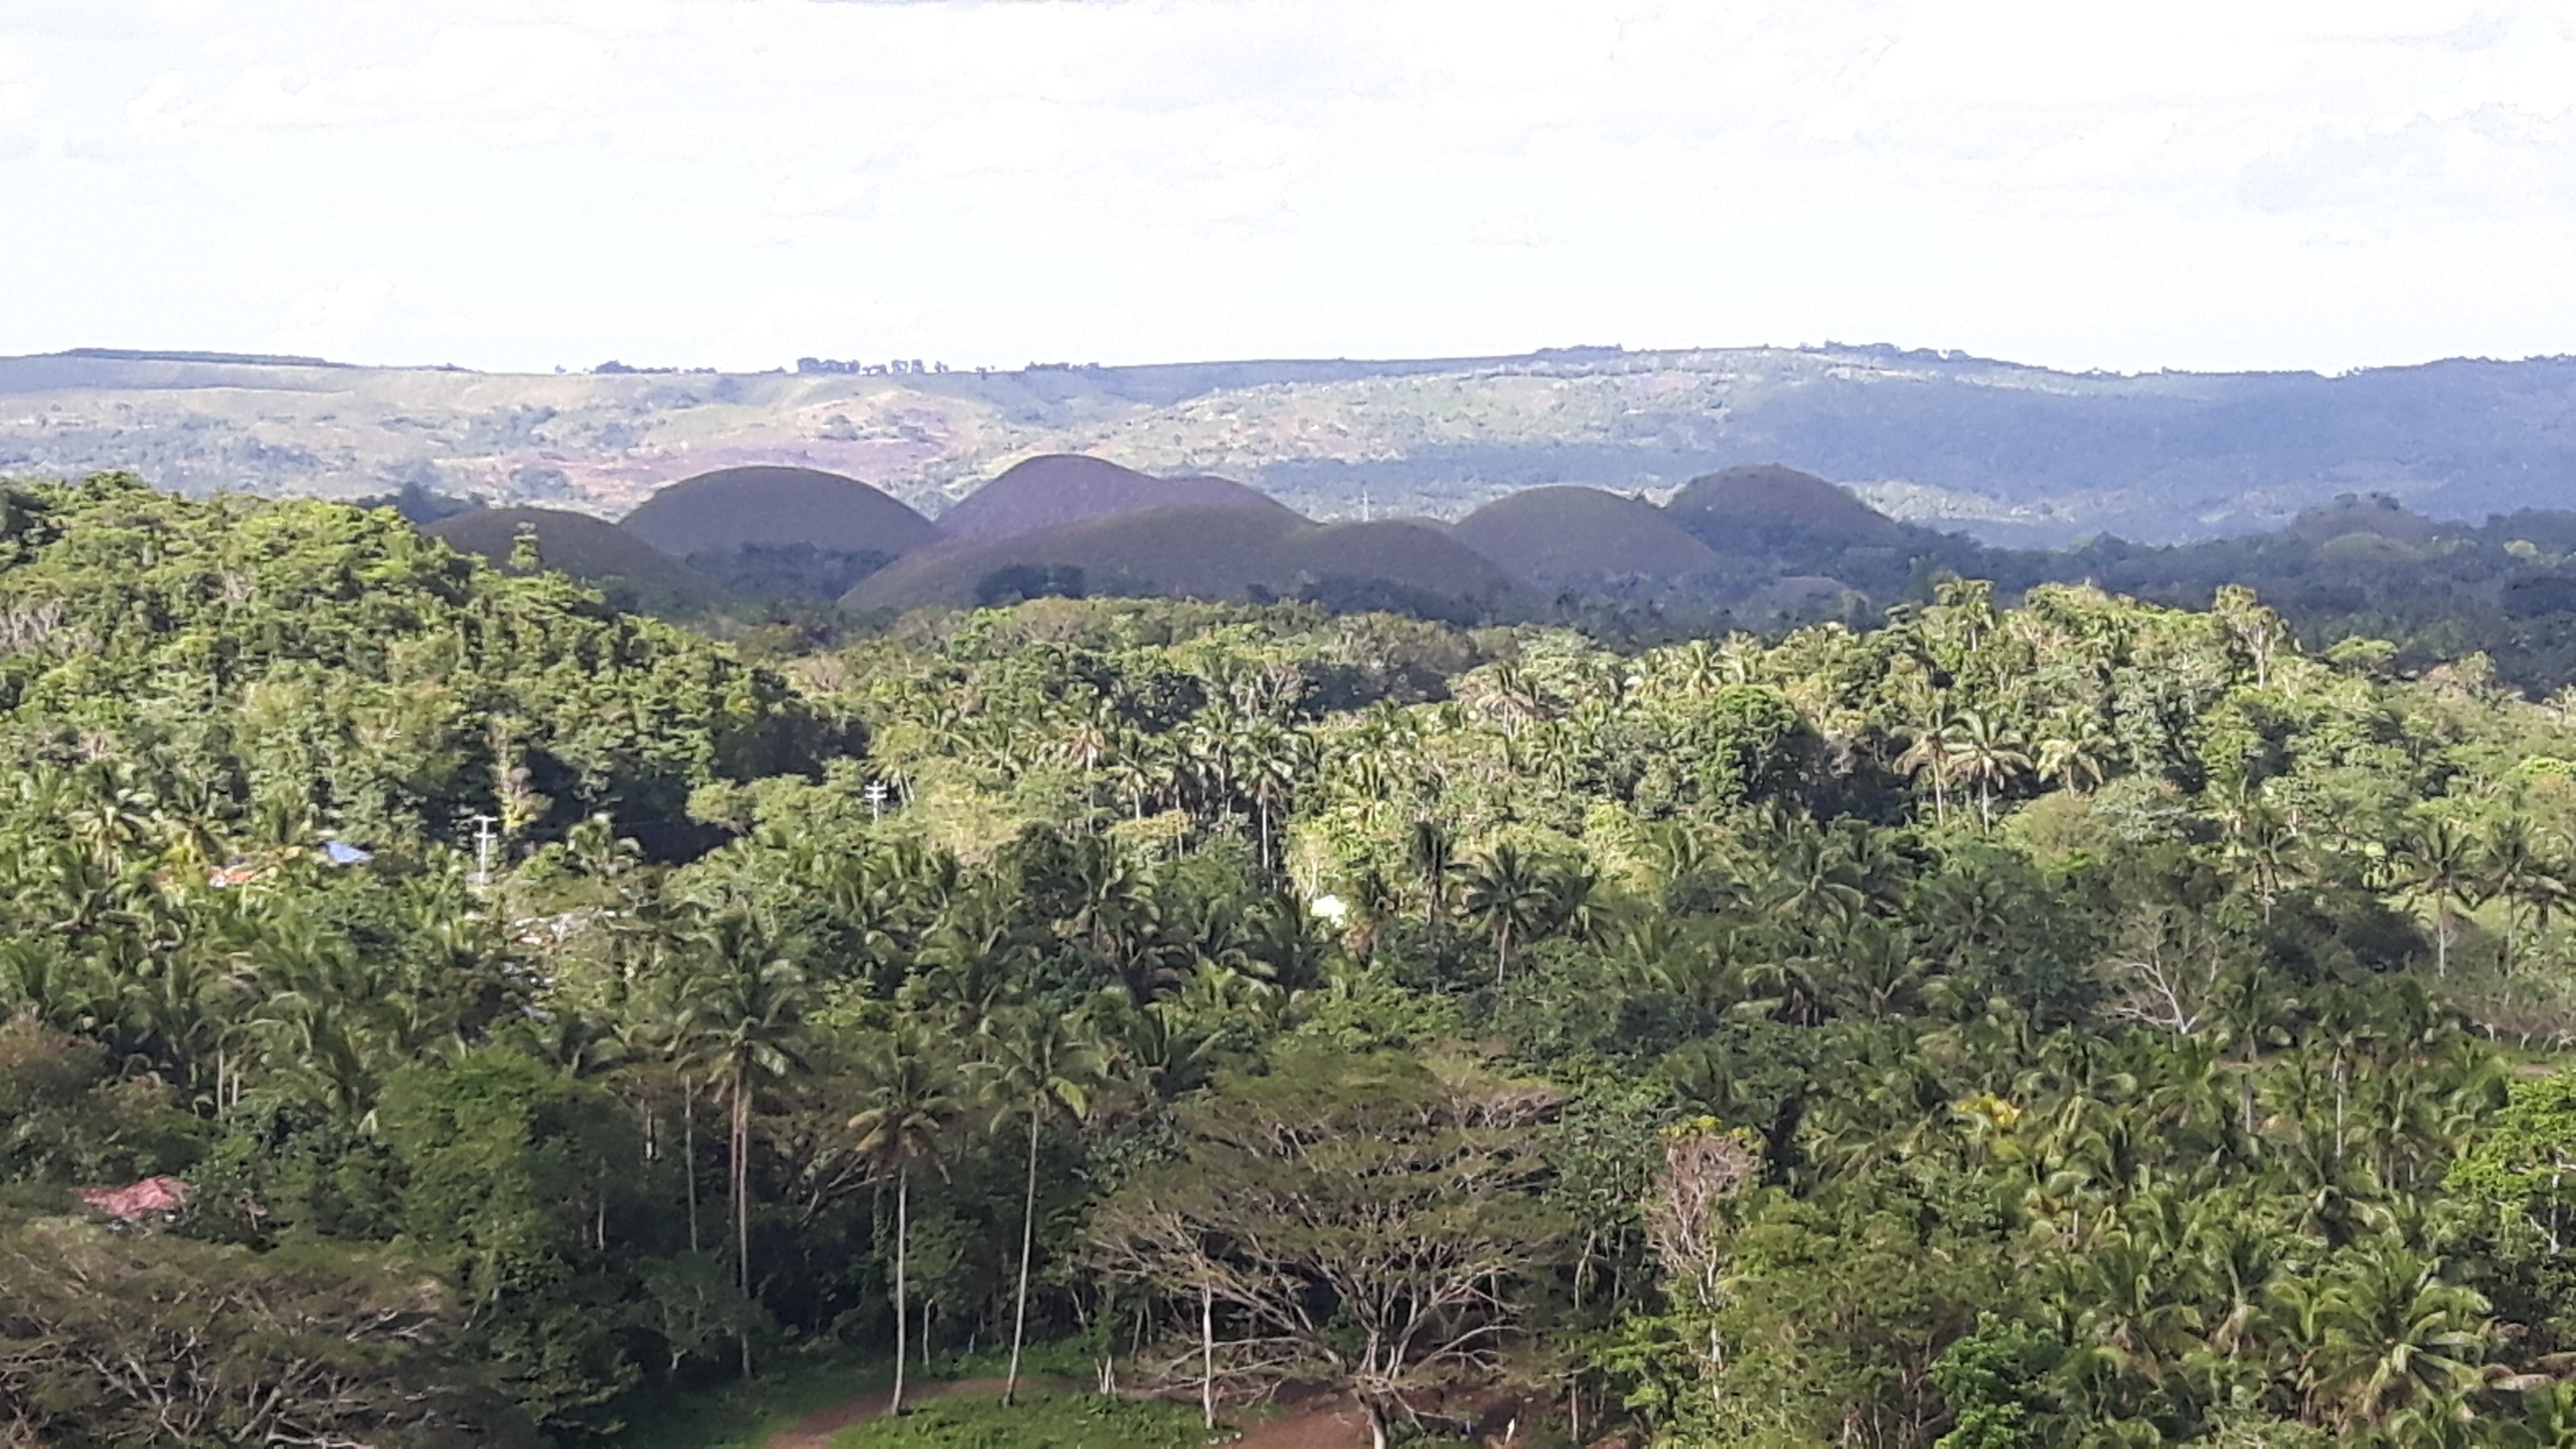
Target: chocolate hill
(1572, 533)
(1063, 488)
(630, 571)
(1765, 504)
(1205, 551)
(735, 508)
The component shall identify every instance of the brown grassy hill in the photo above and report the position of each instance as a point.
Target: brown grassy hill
(1570, 532)
(732, 508)
(1767, 503)
(1202, 551)
(630, 571)
(1063, 488)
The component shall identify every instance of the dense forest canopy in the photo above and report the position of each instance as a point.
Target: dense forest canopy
(441, 1009)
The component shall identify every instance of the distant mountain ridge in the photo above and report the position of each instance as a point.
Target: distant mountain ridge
(2013, 454)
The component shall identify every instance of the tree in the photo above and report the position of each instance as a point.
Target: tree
(2170, 968)
(1039, 1065)
(1508, 895)
(910, 1095)
(1704, 1166)
(2071, 748)
(1365, 1219)
(1928, 752)
(1985, 753)
(743, 1032)
(2437, 863)
(2391, 1333)
(136, 1338)
(2265, 842)
(2517, 871)
(2524, 1165)
(1433, 854)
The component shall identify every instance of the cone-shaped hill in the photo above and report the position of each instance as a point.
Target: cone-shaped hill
(1749, 508)
(736, 508)
(1205, 551)
(633, 573)
(1064, 488)
(1572, 533)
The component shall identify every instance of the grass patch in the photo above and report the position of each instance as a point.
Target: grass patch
(1051, 1421)
(743, 1416)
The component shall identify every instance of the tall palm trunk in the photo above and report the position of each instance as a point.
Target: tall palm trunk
(1028, 1241)
(742, 1203)
(902, 1241)
(689, 1155)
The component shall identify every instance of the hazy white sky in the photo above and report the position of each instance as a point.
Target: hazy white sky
(525, 183)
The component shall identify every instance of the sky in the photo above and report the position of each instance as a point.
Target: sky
(526, 184)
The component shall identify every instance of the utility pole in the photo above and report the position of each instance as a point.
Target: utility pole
(1364, 505)
(876, 797)
(483, 848)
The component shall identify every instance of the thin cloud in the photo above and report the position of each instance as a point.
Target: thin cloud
(737, 182)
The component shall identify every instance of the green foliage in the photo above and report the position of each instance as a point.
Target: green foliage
(1991, 1381)
(1053, 1421)
(2522, 1164)
(148, 1338)
(2072, 1022)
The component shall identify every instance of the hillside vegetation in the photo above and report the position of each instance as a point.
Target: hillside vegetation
(2066, 1023)
(632, 573)
(2016, 454)
(1781, 547)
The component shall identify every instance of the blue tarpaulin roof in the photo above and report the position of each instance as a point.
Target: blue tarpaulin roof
(343, 853)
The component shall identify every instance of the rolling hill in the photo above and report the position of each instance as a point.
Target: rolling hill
(1564, 532)
(732, 508)
(633, 573)
(1751, 508)
(1046, 492)
(2014, 454)
(1207, 551)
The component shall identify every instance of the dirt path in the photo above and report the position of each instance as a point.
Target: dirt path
(815, 1431)
(1322, 1426)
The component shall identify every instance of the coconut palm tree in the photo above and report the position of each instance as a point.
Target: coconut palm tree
(1985, 753)
(909, 1089)
(1507, 894)
(2265, 843)
(1271, 759)
(1929, 753)
(2392, 1334)
(1038, 1064)
(2438, 863)
(2518, 872)
(1433, 854)
(2072, 748)
(742, 1030)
